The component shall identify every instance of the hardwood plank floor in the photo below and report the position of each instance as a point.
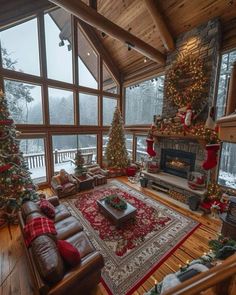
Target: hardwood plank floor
(15, 275)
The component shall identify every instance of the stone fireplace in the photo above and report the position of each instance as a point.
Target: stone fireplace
(177, 162)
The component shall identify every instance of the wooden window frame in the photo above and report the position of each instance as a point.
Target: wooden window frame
(46, 129)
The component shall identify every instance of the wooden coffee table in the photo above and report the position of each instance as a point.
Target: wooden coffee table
(117, 216)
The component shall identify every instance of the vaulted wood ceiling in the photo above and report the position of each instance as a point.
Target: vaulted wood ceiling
(133, 16)
(180, 16)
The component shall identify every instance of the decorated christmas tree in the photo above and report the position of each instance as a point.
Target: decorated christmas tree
(79, 163)
(16, 185)
(116, 152)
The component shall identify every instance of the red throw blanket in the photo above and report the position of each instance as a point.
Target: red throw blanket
(37, 227)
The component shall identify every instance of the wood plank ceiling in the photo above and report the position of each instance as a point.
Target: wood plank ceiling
(180, 16)
(133, 16)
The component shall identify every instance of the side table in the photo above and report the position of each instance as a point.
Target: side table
(228, 227)
(84, 182)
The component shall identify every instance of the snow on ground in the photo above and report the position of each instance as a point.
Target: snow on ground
(227, 179)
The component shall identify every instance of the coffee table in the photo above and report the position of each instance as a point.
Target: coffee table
(117, 216)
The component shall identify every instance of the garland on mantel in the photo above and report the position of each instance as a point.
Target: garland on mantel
(169, 128)
(186, 82)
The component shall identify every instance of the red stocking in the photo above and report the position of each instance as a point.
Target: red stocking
(150, 149)
(211, 160)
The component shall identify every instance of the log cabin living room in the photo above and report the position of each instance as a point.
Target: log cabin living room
(118, 147)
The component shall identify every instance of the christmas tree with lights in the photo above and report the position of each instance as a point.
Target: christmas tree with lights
(116, 152)
(16, 185)
(79, 164)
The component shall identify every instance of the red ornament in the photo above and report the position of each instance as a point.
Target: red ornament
(5, 167)
(6, 122)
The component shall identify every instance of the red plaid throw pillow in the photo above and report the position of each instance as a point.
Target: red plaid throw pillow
(47, 208)
(68, 252)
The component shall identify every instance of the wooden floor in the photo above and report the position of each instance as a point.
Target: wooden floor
(15, 276)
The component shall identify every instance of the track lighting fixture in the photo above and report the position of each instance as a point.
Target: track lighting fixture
(61, 43)
(130, 45)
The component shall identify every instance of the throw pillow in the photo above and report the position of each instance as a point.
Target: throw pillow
(64, 179)
(47, 208)
(68, 252)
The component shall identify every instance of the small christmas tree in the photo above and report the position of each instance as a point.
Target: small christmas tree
(16, 185)
(116, 152)
(79, 163)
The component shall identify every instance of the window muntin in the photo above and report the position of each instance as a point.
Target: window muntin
(58, 45)
(20, 48)
(34, 154)
(24, 101)
(88, 109)
(146, 99)
(61, 106)
(225, 72)
(129, 144)
(109, 105)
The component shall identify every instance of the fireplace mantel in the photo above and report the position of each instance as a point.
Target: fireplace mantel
(199, 139)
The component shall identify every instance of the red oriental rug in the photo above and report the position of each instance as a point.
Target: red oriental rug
(135, 250)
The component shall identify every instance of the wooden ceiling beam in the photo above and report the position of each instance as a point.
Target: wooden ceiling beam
(159, 21)
(89, 31)
(91, 17)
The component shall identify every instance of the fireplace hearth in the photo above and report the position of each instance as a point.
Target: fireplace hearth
(177, 162)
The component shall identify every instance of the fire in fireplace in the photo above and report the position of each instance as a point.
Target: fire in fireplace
(177, 162)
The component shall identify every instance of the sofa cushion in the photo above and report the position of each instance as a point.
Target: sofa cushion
(69, 253)
(47, 259)
(28, 208)
(47, 208)
(34, 215)
(61, 212)
(82, 243)
(67, 227)
(67, 186)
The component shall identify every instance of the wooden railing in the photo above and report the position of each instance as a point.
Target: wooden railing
(37, 160)
(219, 280)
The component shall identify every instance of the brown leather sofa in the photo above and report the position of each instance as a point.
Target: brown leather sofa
(50, 274)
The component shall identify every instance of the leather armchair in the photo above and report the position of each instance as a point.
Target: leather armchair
(63, 184)
(99, 175)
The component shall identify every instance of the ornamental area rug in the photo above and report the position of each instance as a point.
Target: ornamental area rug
(135, 250)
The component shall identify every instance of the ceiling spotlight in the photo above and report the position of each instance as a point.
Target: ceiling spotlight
(145, 60)
(61, 43)
(130, 46)
(69, 47)
(103, 34)
(88, 53)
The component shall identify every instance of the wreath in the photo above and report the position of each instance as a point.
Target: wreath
(186, 82)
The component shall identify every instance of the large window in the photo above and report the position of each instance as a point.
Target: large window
(88, 62)
(141, 147)
(227, 167)
(25, 102)
(109, 105)
(20, 49)
(146, 99)
(34, 155)
(129, 144)
(88, 109)
(53, 91)
(61, 106)
(225, 71)
(66, 146)
(58, 45)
